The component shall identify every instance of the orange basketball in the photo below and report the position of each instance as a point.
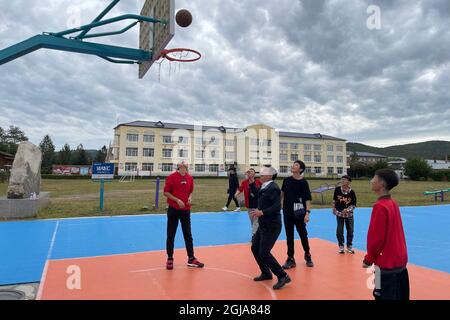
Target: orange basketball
(184, 18)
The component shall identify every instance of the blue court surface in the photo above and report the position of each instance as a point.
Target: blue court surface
(26, 246)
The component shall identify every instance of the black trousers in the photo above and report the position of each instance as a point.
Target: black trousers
(393, 286)
(349, 225)
(262, 243)
(291, 222)
(173, 216)
(232, 197)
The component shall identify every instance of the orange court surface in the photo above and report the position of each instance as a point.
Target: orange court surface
(228, 274)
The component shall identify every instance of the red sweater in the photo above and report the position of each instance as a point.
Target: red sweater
(180, 187)
(245, 187)
(386, 244)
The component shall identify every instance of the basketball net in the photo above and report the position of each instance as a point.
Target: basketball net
(176, 56)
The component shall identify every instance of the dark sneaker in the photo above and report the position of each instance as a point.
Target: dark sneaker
(263, 277)
(350, 250)
(194, 263)
(309, 262)
(289, 264)
(169, 264)
(341, 250)
(282, 282)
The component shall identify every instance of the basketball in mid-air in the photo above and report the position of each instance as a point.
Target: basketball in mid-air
(184, 18)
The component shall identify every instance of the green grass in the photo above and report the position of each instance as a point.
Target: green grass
(80, 198)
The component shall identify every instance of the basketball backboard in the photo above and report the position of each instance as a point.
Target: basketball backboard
(155, 37)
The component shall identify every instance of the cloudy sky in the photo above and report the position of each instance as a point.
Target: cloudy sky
(298, 65)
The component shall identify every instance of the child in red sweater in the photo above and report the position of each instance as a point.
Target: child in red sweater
(386, 244)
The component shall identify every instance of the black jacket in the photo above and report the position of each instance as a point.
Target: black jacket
(233, 184)
(269, 202)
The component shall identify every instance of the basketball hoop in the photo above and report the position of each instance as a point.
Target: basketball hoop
(180, 55)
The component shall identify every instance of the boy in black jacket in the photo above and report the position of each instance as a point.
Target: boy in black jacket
(269, 229)
(344, 203)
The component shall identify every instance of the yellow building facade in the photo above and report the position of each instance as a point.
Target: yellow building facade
(144, 148)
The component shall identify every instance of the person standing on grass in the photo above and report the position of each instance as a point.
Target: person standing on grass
(233, 185)
(250, 188)
(269, 229)
(386, 243)
(296, 198)
(178, 190)
(344, 204)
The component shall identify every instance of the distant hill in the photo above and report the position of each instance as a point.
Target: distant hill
(427, 150)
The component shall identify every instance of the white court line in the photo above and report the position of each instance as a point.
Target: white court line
(52, 243)
(268, 288)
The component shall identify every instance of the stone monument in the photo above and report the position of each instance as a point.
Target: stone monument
(24, 197)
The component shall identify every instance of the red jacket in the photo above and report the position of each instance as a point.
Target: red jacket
(386, 244)
(245, 187)
(180, 187)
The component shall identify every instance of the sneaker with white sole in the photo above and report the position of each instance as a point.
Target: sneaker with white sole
(341, 250)
(224, 209)
(237, 210)
(350, 250)
(194, 263)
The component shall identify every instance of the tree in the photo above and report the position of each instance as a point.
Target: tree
(65, 155)
(81, 156)
(3, 144)
(12, 139)
(417, 168)
(381, 164)
(101, 155)
(48, 154)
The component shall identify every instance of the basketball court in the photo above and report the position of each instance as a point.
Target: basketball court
(124, 258)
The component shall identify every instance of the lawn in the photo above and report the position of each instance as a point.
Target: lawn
(80, 198)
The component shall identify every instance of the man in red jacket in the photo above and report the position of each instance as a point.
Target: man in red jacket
(386, 244)
(178, 190)
(250, 187)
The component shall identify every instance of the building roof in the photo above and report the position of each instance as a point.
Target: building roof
(438, 164)
(7, 155)
(366, 154)
(308, 136)
(167, 125)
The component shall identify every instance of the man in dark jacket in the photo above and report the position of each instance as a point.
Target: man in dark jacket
(233, 186)
(268, 213)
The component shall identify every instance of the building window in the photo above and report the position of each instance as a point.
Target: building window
(147, 167)
(200, 154)
(167, 139)
(254, 142)
(330, 170)
(340, 148)
(229, 143)
(330, 148)
(131, 167)
(317, 170)
(214, 154)
(183, 140)
(283, 157)
(308, 170)
(183, 153)
(148, 153)
(294, 146)
(340, 170)
(199, 140)
(167, 167)
(167, 153)
(200, 168)
(230, 155)
(132, 137)
(294, 157)
(317, 158)
(307, 158)
(132, 152)
(330, 159)
(267, 143)
(284, 146)
(339, 159)
(308, 147)
(149, 138)
(213, 168)
(213, 141)
(317, 147)
(283, 169)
